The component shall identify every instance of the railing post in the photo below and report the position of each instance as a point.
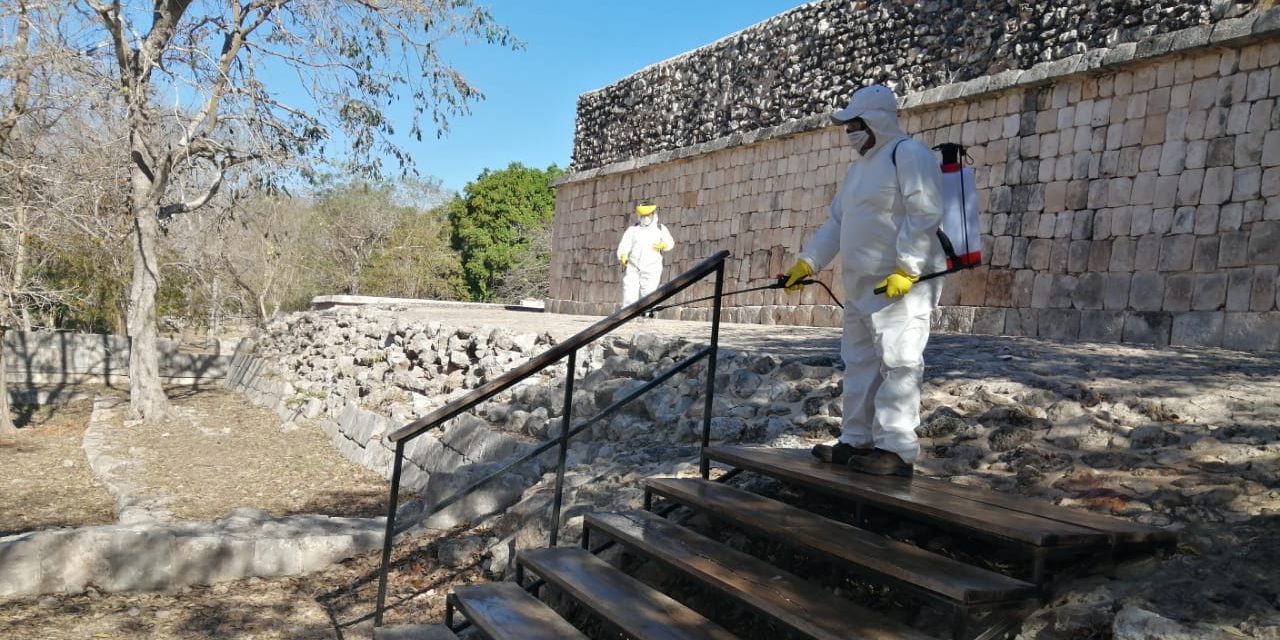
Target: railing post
(565, 416)
(389, 536)
(704, 463)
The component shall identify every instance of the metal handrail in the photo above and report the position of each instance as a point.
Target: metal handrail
(568, 348)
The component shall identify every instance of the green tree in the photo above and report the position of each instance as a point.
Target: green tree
(498, 217)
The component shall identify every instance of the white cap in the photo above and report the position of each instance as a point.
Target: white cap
(873, 98)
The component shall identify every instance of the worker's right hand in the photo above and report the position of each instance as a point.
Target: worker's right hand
(622, 259)
(798, 271)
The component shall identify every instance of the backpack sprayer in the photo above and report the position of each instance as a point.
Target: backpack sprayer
(959, 213)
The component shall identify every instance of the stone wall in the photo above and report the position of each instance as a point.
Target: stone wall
(360, 377)
(805, 60)
(64, 358)
(360, 373)
(1129, 194)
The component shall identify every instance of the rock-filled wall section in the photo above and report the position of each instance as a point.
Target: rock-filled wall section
(806, 60)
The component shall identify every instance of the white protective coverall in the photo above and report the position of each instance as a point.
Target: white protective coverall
(884, 218)
(643, 269)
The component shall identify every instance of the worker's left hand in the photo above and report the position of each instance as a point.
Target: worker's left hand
(661, 246)
(897, 284)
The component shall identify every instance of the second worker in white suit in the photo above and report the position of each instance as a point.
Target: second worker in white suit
(640, 254)
(883, 223)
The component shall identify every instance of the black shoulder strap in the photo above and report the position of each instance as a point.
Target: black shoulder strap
(893, 155)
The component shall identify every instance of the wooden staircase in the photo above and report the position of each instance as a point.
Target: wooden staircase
(980, 602)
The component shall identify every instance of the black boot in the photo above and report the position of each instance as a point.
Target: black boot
(838, 453)
(881, 463)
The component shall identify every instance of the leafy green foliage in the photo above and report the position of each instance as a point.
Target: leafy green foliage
(501, 214)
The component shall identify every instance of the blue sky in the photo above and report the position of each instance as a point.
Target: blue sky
(571, 47)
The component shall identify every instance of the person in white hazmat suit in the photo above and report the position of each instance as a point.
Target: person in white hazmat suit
(640, 254)
(883, 223)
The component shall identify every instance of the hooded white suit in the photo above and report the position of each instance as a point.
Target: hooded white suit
(643, 269)
(884, 218)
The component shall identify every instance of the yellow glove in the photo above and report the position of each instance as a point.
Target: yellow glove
(660, 246)
(798, 271)
(622, 259)
(897, 284)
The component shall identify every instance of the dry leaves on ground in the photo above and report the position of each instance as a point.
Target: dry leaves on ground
(45, 480)
(223, 453)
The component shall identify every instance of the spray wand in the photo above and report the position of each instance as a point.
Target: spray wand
(780, 282)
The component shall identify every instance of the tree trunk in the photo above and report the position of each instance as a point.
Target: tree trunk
(19, 270)
(147, 400)
(215, 310)
(6, 418)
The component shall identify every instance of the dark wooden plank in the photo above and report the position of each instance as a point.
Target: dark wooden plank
(903, 562)
(414, 632)
(905, 496)
(504, 611)
(1124, 531)
(638, 610)
(782, 596)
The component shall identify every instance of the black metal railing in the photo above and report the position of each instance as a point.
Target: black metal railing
(567, 349)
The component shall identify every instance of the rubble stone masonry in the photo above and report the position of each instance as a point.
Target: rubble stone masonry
(1129, 194)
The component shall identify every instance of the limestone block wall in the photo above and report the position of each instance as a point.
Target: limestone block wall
(801, 62)
(1129, 194)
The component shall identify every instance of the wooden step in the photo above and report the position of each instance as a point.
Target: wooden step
(913, 499)
(900, 562)
(808, 610)
(637, 610)
(1123, 531)
(502, 611)
(414, 632)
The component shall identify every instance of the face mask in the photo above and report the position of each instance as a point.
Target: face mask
(646, 221)
(857, 139)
